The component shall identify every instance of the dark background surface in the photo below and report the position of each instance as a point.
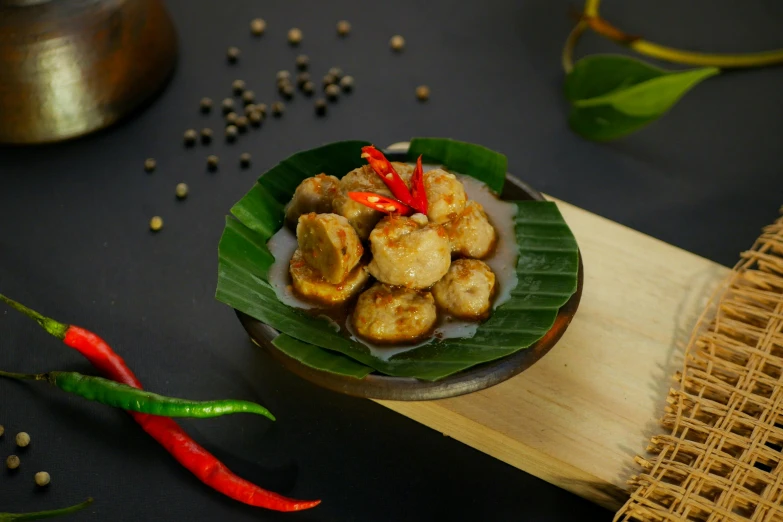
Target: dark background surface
(74, 242)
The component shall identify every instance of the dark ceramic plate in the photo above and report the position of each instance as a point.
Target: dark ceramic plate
(479, 377)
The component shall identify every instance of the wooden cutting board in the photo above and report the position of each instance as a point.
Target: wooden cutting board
(579, 416)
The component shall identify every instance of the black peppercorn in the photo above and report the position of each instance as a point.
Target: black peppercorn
(278, 108)
(302, 78)
(336, 72)
(228, 105)
(329, 79)
(232, 54)
(238, 86)
(205, 105)
(261, 107)
(347, 83)
(241, 123)
(231, 132)
(332, 92)
(320, 106)
(248, 97)
(244, 159)
(255, 118)
(308, 88)
(287, 91)
(212, 162)
(190, 137)
(302, 62)
(231, 118)
(206, 135)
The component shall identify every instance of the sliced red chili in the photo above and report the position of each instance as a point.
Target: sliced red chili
(418, 192)
(381, 203)
(385, 170)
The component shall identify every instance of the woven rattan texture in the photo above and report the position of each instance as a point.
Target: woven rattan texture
(722, 458)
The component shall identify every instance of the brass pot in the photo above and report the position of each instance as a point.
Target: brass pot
(71, 67)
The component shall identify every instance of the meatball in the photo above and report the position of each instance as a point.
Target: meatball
(312, 195)
(466, 290)
(445, 195)
(364, 179)
(329, 244)
(309, 284)
(409, 251)
(470, 233)
(386, 314)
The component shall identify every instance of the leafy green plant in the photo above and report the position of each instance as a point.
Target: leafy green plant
(614, 95)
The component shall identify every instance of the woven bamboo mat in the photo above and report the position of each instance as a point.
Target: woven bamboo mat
(722, 457)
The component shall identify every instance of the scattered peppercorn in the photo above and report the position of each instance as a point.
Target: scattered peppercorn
(278, 108)
(248, 97)
(228, 105)
(336, 72)
(181, 191)
(261, 107)
(343, 27)
(231, 132)
(397, 43)
(294, 36)
(302, 62)
(238, 86)
(244, 159)
(332, 92)
(308, 88)
(257, 26)
(206, 135)
(347, 83)
(255, 118)
(190, 136)
(42, 479)
(423, 93)
(241, 123)
(302, 78)
(249, 108)
(156, 223)
(22, 439)
(212, 162)
(12, 462)
(287, 91)
(320, 106)
(231, 118)
(329, 79)
(2, 430)
(283, 75)
(232, 54)
(205, 104)
(150, 164)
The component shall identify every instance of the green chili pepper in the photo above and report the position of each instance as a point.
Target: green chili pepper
(122, 396)
(14, 517)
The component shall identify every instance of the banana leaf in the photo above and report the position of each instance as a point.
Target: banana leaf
(546, 269)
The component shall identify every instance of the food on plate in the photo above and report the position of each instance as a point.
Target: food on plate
(466, 290)
(394, 228)
(329, 244)
(386, 314)
(312, 195)
(409, 251)
(308, 282)
(470, 233)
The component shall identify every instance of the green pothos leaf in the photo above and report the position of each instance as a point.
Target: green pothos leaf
(614, 95)
(547, 272)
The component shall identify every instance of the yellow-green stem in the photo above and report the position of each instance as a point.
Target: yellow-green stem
(592, 19)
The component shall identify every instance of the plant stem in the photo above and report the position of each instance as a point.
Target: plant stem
(24, 376)
(570, 44)
(670, 54)
(592, 19)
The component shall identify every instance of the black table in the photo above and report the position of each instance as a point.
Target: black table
(74, 243)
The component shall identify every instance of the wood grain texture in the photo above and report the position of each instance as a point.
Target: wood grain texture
(579, 416)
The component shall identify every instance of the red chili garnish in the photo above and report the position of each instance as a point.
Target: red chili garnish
(168, 433)
(381, 203)
(386, 171)
(418, 192)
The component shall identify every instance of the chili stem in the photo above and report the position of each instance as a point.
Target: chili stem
(25, 376)
(55, 328)
(592, 19)
(14, 517)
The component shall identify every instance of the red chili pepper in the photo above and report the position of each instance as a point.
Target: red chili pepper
(386, 171)
(418, 192)
(380, 203)
(168, 433)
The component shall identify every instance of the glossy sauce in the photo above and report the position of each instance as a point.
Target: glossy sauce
(502, 261)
